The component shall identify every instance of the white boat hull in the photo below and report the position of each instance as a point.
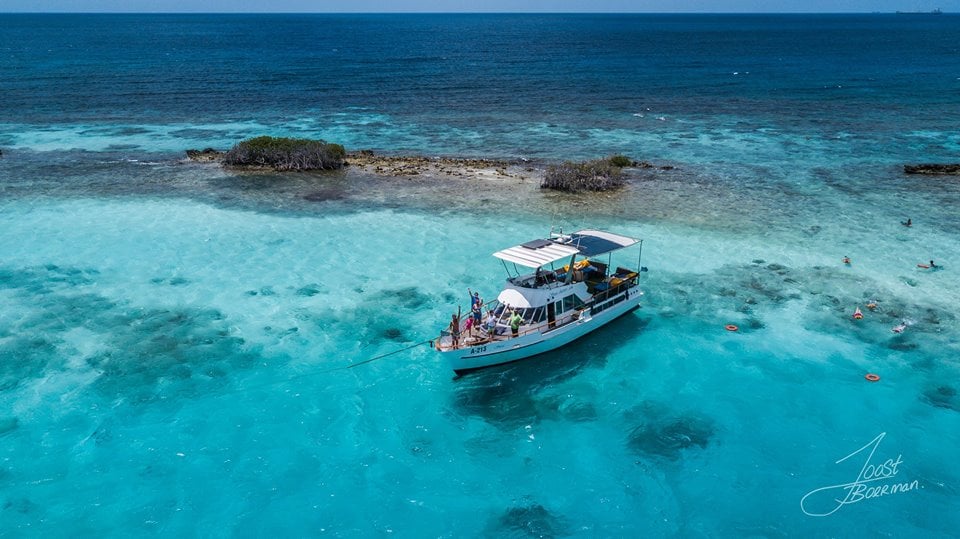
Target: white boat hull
(470, 358)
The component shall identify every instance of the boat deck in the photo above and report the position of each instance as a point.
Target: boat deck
(480, 336)
(601, 288)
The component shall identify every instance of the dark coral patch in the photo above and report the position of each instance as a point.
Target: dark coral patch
(531, 520)
(309, 290)
(393, 334)
(410, 297)
(8, 425)
(942, 397)
(666, 433)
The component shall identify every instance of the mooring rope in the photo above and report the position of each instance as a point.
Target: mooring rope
(324, 371)
(381, 356)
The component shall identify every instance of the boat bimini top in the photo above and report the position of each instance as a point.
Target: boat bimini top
(585, 243)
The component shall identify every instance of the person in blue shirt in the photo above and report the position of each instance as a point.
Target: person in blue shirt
(475, 299)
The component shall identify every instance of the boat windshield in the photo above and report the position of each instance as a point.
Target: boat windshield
(530, 315)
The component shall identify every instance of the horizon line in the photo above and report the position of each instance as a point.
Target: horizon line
(301, 12)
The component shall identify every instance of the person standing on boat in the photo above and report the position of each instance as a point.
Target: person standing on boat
(477, 315)
(491, 323)
(475, 299)
(455, 330)
(515, 321)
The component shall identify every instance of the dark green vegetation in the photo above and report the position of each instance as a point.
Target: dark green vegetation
(286, 154)
(620, 161)
(596, 175)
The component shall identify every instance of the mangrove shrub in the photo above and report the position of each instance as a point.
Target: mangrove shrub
(286, 154)
(620, 161)
(597, 175)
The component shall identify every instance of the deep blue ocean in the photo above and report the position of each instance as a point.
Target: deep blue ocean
(175, 337)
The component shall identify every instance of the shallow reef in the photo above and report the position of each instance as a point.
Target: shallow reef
(530, 520)
(663, 432)
(139, 351)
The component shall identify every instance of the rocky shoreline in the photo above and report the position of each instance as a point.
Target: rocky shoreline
(409, 166)
(933, 169)
(401, 165)
(206, 155)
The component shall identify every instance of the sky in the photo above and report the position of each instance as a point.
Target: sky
(379, 6)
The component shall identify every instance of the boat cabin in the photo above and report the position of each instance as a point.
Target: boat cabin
(551, 296)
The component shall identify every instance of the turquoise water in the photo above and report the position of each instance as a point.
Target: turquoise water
(176, 367)
(175, 338)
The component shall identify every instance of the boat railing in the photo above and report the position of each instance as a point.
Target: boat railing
(492, 306)
(562, 321)
(614, 285)
(502, 330)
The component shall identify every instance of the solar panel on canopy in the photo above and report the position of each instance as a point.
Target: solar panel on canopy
(540, 252)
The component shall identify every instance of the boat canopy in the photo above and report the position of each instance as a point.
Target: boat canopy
(586, 243)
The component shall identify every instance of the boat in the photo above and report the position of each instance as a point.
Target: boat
(555, 305)
(936, 11)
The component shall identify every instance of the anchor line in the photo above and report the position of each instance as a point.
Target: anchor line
(325, 371)
(381, 356)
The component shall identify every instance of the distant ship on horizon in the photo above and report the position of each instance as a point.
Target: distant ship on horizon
(936, 11)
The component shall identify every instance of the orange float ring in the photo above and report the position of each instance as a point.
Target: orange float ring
(872, 377)
(730, 327)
